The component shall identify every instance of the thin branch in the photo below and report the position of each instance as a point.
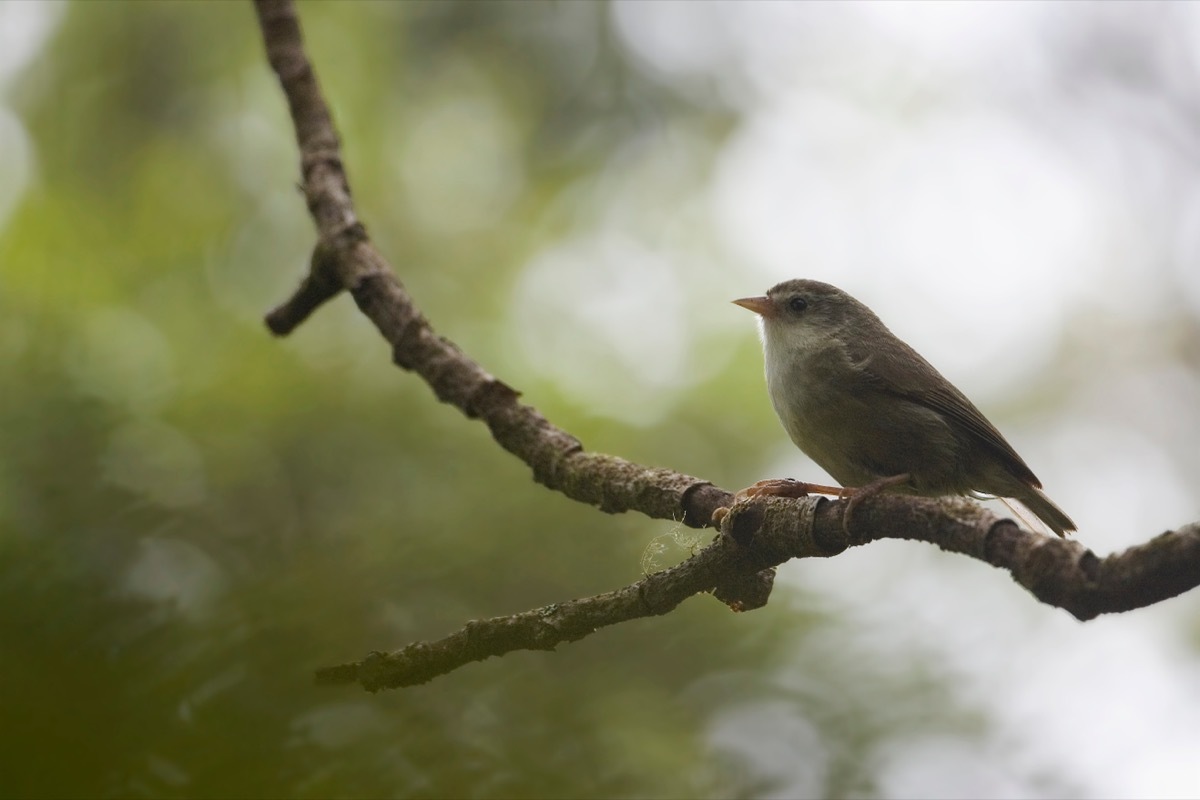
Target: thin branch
(545, 628)
(755, 536)
(347, 259)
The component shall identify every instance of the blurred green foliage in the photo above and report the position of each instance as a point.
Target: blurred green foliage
(194, 516)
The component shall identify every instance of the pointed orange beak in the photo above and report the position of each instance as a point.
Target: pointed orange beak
(759, 305)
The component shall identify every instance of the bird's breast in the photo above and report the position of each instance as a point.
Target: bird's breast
(853, 428)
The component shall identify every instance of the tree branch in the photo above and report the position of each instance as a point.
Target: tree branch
(738, 567)
(759, 534)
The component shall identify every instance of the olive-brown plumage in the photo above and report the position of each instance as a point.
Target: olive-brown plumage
(865, 406)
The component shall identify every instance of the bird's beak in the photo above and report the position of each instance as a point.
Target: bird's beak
(759, 305)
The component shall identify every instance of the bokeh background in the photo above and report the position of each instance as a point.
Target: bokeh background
(194, 516)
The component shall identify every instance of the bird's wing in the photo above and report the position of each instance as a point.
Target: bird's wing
(899, 370)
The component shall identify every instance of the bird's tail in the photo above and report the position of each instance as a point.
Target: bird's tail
(1055, 518)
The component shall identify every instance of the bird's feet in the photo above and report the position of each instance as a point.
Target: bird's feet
(779, 487)
(870, 490)
(786, 487)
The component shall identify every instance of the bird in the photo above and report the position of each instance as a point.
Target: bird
(874, 414)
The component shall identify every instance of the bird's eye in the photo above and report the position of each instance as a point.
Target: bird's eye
(797, 304)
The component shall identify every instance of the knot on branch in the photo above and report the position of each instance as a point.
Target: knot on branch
(778, 528)
(323, 154)
(746, 592)
(1052, 570)
(410, 328)
(700, 502)
(550, 453)
(767, 532)
(489, 396)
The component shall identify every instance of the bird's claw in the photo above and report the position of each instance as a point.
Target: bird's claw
(787, 487)
(873, 488)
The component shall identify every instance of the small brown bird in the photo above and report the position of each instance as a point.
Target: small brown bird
(872, 412)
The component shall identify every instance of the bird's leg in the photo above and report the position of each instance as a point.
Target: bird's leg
(787, 487)
(870, 490)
